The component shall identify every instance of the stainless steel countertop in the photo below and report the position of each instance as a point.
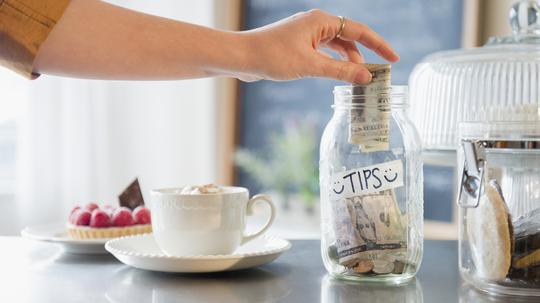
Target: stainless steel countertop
(39, 272)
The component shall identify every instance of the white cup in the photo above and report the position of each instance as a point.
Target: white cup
(203, 224)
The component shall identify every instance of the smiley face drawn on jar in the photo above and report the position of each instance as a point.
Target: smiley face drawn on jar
(391, 179)
(341, 187)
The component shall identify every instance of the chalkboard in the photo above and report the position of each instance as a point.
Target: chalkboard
(415, 28)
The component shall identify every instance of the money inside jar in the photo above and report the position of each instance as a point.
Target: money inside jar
(369, 125)
(369, 228)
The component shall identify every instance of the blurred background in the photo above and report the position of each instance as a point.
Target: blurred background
(65, 142)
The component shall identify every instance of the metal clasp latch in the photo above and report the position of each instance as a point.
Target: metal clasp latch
(472, 178)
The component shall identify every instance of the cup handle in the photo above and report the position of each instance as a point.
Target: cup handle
(251, 202)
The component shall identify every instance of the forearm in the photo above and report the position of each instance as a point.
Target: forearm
(94, 39)
(98, 40)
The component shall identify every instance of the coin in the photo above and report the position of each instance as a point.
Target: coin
(398, 267)
(364, 266)
(382, 266)
(387, 257)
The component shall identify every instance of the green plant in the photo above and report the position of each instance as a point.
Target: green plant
(289, 164)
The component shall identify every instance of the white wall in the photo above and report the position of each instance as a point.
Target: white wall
(171, 124)
(82, 140)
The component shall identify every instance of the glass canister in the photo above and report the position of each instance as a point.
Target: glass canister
(499, 213)
(498, 81)
(371, 187)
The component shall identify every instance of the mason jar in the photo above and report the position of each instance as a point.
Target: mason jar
(338, 291)
(499, 206)
(371, 187)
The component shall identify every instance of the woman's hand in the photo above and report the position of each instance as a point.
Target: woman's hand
(291, 49)
(97, 40)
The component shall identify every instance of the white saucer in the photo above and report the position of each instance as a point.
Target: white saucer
(141, 251)
(56, 233)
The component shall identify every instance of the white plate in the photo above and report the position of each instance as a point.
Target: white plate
(56, 233)
(142, 252)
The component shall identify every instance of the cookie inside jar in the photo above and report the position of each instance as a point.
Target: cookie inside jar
(499, 200)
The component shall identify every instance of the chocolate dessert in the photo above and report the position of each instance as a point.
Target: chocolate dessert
(132, 196)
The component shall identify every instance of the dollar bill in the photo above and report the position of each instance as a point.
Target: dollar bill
(367, 227)
(370, 121)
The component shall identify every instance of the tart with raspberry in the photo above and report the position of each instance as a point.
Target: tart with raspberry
(95, 222)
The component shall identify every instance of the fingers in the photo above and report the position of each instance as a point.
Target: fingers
(341, 70)
(354, 31)
(322, 53)
(347, 49)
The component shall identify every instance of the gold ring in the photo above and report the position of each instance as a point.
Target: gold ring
(341, 26)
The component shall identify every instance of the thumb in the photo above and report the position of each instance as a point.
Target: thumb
(342, 70)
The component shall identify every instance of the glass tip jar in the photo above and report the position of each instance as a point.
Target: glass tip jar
(371, 187)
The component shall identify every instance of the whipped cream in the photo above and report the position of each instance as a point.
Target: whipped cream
(202, 189)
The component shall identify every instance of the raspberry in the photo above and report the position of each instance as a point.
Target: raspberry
(100, 219)
(73, 214)
(141, 215)
(91, 206)
(109, 209)
(81, 217)
(122, 217)
(74, 209)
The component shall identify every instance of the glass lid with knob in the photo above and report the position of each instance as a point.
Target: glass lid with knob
(499, 81)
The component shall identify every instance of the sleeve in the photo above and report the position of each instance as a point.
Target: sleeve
(24, 25)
